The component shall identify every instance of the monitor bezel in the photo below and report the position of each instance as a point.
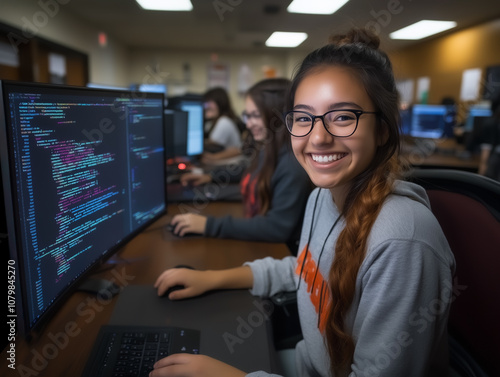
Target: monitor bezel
(24, 328)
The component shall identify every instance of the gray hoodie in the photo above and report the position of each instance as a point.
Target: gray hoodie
(403, 291)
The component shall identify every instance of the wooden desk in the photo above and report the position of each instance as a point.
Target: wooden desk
(439, 154)
(64, 345)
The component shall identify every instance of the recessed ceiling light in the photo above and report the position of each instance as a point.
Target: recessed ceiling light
(422, 29)
(315, 6)
(285, 39)
(169, 5)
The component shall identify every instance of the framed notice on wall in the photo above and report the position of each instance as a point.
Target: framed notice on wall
(471, 80)
(218, 75)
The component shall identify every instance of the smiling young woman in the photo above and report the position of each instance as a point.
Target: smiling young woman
(372, 256)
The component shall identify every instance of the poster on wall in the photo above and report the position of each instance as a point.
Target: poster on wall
(57, 68)
(423, 86)
(406, 89)
(218, 75)
(471, 81)
(245, 79)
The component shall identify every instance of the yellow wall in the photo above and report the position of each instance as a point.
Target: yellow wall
(444, 59)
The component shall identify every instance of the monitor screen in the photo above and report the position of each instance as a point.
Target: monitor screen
(175, 131)
(83, 172)
(194, 132)
(105, 86)
(195, 126)
(153, 88)
(474, 113)
(428, 121)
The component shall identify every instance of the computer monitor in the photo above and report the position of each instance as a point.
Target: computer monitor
(193, 105)
(83, 172)
(476, 111)
(153, 88)
(105, 86)
(428, 121)
(175, 133)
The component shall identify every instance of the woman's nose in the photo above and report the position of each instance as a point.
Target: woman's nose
(319, 134)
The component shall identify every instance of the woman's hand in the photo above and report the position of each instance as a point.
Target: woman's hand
(187, 365)
(195, 179)
(195, 282)
(188, 223)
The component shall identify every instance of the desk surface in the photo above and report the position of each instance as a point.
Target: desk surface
(439, 153)
(64, 345)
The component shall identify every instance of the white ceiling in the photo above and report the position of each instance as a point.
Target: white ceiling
(218, 25)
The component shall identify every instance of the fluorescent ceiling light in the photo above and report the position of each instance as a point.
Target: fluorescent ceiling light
(169, 5)
(315, 6)
(422, 29)
(285, 39)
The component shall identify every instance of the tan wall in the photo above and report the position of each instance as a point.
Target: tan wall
(168, 66)
(445, 58)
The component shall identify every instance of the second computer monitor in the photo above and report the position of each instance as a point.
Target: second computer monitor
(185, 130)
(474, 113)
(428, 121)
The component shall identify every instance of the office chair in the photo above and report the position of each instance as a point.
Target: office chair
(467, 207)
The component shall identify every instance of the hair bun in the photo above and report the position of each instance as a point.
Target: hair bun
(356, 35)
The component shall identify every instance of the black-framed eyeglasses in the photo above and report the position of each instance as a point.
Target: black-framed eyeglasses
(339, 123)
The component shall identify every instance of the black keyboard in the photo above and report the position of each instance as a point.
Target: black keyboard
(131, 351)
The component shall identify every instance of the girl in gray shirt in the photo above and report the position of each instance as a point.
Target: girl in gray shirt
(374, 271)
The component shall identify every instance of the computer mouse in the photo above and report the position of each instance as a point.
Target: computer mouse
(173, 289)
(171, 228)
(184, 266)
(177, 287)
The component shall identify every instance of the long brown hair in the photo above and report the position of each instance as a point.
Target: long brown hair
(221, 98)
(269, 96)
(358, 51)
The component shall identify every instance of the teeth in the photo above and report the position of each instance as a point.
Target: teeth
(328, 158)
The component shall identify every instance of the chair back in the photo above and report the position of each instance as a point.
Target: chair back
(467, 207)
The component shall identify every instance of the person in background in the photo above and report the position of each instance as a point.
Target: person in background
(274, 186)
(222, 134)
(489, 162)
(373, 261)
